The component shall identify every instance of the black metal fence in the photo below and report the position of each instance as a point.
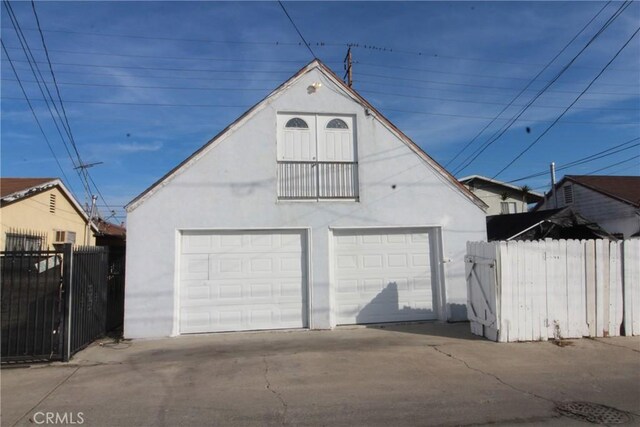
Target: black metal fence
(55, 303)
(88, 299)
(31, 305)
(115, 289)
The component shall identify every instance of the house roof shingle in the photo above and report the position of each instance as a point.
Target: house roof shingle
(108, 229)
(624, 188)
(10, 186)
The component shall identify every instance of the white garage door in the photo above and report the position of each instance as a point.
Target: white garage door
(382, 275)
(235, 281)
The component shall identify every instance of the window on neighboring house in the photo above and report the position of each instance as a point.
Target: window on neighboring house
(297, 123)
(507, 207)
(23, 242)
(568, 194)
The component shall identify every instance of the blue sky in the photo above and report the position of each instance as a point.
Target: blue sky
(441, 71)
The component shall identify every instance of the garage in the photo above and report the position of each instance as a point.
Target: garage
(384, 275)
(242, 280)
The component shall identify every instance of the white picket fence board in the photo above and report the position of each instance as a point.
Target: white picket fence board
(552, 289)
(631, 281)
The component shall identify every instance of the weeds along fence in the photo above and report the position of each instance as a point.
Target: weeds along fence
(553, 289)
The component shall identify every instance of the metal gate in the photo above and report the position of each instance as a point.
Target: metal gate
(54, 303)
(88, 298)
(31, 305)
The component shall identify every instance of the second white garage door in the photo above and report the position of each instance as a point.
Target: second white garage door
(382, 275)
(236, 281)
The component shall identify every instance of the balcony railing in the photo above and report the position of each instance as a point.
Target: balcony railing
(311, 180)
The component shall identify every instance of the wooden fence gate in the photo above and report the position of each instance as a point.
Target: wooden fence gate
(553, 289)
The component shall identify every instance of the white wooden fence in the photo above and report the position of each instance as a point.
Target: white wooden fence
(552, 289)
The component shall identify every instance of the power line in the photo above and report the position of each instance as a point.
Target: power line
(24, 92)
(297, 30)
(498, 134)
(460, 58)
(241, 89)
(178, 58)
(613, 165)
(636, 166)
(569, 107)
(235, 89)
(468, 84)
(486, 76)
(492, 87)
(593, 157)
(137, 67)
(386, 109)
(394, 67)
(527, 85)
(367, 46)
(55, 84)
(34, 67)
(174, 77)
(490, 103)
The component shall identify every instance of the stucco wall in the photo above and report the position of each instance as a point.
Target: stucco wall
(32, 213)
(233, 185)
(612, 215)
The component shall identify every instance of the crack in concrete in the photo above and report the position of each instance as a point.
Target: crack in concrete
(613, 345)
(489, 374)
(46, 396)
(275, 393)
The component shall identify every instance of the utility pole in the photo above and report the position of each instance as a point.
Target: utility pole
(554, 193)
(94, 198)
(347, 66)
(92, 210)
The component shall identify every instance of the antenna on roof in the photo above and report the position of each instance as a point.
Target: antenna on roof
(87, 165)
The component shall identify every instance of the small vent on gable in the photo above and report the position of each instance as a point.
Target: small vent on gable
(52, 203)
(568, 194)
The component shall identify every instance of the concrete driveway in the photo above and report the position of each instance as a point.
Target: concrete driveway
(421, 374)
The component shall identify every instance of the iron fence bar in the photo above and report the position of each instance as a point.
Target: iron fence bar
(65, 303)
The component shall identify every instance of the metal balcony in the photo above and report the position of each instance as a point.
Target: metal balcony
(315, 180)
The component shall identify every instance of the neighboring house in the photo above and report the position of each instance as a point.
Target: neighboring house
(309, 211)
(560, 223)
(611, 201)
(501, 197)
(40, 213)
(111, 235)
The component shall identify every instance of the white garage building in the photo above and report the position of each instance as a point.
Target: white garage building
(311, 210)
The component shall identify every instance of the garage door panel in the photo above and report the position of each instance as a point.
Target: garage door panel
(382, 276)
(252, 280)
(232, 242)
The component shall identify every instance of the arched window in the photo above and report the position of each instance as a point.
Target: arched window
(337, 124)
(297, 122)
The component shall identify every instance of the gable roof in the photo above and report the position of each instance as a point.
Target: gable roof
(467, 179)
(15, 189)
(314, 64)
(9, 186)
(623, 188)
(106, 228)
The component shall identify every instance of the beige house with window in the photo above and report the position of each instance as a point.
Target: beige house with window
(40, 213)
(501, 197)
